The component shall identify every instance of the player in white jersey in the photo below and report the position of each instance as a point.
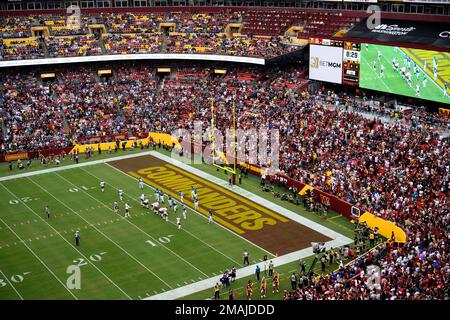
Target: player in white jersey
(102, 185)
(424, 80)
(179, 222)
(210, 216)
(127, 210)
(116, 207)
(155, 206)
(175, 206)
(156, 194)
(161, 196)
(382, 70)
(141, 183)
(181, 196)
(120, 194)
(196, 203)
(146, 203)
(142, 199)
(169, 200)
(184, 212)
(418, 89)
(193, 192)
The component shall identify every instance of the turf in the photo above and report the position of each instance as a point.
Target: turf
(130, 267)
(119, 258)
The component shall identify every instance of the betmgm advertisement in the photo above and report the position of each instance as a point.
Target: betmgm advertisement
(325, 63)
(417, 73)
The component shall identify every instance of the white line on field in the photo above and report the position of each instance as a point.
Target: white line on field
(65, 240)
(128, 221)
(185, 230)
(36, 256)
(72, 166)
(99, 231)
(14, 288)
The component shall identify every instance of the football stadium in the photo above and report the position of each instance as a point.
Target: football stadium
(224, 150)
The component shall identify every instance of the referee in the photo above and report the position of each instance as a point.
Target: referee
(77, 238)
(245, 254)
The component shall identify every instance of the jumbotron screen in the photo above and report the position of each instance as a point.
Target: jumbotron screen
(423, 74)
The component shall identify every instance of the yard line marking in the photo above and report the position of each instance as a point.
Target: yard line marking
(56, 231)
(126, 252)
(34, 254)
(188, 232)
(332, 218)
(10, 283)
(137, 227)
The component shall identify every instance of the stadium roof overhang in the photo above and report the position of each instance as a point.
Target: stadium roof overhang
(127, 57)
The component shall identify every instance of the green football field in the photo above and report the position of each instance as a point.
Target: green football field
(119, 258)
(393, 82)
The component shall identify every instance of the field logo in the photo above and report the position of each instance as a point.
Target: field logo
(374, 20)
(74, 280)
(73, 20)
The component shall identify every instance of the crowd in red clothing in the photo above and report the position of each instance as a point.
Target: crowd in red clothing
(398, 172)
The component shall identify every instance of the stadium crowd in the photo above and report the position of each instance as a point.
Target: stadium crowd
(398, 172)
(184, 32)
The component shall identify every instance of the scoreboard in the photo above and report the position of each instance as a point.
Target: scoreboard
(326, 42)
(351, 63)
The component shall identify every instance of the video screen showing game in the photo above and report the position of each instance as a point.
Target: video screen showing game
(417, 73)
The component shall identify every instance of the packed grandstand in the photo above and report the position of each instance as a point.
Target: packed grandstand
(395, 166)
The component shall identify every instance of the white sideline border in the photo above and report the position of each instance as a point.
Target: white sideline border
(339, 239)
(72, 166)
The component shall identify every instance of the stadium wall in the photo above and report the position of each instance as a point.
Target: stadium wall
(14, 156)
